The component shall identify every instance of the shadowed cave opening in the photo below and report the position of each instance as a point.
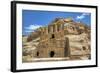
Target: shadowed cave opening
(52, 53)
(53, 36)
(37, 53)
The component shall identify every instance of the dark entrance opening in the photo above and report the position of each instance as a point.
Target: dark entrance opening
(53, 36)
(37, 53)
(52, 54)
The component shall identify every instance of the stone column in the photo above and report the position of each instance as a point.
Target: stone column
(51, 29)
(55, 27)
(58, 27)
(62, 26)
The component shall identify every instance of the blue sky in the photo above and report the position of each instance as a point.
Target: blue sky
(32, 19)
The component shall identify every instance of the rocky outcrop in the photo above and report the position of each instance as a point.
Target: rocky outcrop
(48, 39)
(33, 36)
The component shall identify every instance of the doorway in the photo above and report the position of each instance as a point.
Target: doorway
(52, 53)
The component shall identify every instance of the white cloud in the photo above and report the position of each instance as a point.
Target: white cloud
(28, 31)
(31, 28)
(82, 16)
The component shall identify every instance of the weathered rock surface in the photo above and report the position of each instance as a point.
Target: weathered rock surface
(53, 36)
